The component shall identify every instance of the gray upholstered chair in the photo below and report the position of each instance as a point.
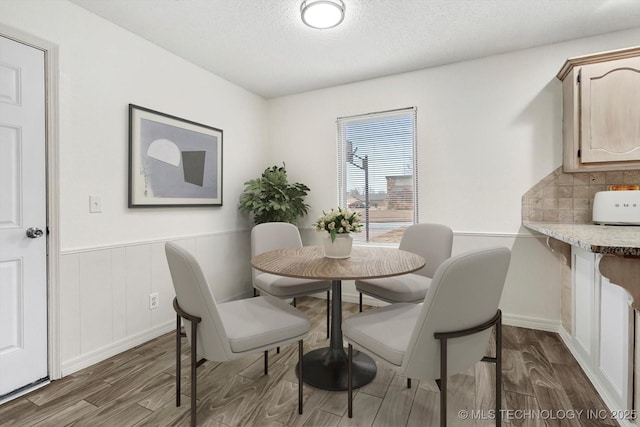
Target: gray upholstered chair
(447, 333)
(433, 242)
(270, 236)
(226, 331)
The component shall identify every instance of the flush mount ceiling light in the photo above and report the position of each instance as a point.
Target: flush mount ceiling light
(322, 14)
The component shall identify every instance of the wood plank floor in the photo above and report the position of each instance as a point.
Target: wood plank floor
(136, 388)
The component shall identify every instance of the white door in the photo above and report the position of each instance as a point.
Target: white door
(23, 260)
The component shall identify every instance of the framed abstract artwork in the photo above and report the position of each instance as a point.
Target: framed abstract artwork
(173, 161)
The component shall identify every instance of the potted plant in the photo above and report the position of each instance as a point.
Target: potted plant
(271, 198)
(338, 224)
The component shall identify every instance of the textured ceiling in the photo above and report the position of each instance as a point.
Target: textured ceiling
(263, 46)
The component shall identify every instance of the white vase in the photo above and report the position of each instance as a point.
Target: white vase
(339, 248)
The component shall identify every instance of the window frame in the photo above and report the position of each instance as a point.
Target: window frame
(342, 123)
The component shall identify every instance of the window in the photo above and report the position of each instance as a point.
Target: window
(377, 173)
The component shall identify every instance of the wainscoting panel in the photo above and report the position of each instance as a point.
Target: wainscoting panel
(69, 307)
(531, 297)
(119, 289)
(138, 284)
(161, 283)
(104, 292)
(96, 300)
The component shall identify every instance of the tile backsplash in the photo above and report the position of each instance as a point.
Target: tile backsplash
(568, 197)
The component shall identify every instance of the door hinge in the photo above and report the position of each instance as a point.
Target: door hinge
(578, 79)
(579, 153)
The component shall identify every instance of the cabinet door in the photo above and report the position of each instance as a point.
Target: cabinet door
(616, 325)
(584, 302)
(610, 111)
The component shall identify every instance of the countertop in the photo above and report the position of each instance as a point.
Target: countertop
(604, 239)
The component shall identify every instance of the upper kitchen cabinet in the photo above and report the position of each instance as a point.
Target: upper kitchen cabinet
(601, 111)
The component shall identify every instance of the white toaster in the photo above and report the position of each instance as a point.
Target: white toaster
(617, 207)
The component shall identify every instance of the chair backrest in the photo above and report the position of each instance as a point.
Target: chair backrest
(270, 236)
(195, 297)
(464, 292)
(432, 241)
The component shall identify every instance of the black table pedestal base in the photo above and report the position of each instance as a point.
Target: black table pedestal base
(327, 369)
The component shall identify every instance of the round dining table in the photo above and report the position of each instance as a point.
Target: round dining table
(327, 368)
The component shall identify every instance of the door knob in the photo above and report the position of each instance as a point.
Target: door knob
(34, 233)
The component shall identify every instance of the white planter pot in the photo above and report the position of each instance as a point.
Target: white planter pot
(339, 248)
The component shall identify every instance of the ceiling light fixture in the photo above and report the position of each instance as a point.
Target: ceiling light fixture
(322, 14)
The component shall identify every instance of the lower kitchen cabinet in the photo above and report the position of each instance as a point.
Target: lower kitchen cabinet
(603, 332)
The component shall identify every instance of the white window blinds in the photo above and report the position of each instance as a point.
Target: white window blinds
(377, 173)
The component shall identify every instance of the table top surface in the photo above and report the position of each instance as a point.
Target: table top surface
(366, 262)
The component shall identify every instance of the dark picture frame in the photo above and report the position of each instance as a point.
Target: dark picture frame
(173, 161)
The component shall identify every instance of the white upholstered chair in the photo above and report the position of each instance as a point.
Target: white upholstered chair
(433, 242)
(270, 236)
(226, 331)
(447, 333)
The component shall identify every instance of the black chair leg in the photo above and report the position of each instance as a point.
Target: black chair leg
(360, 302)
(408, 382)
(499, 371)
(193, 320)
(266, 362)
(294, 302)
(350, 382)
(443, 383)
(194, 376)
(328, 315)
(300, 377)
(178, 358)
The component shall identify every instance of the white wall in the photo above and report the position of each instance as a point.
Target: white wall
(488, 130)
(111, 261)
(104, 68)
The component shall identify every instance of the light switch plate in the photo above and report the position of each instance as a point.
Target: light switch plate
(95, 204)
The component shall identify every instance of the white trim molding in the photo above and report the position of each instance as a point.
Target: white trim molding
(88, 359)
(532, 323)
(152, 241)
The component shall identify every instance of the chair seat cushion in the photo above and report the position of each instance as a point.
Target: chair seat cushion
(253, 323)
(384, 331)
(288, 287)
(405, 288)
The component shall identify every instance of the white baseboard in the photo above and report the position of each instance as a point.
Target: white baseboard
(366, 300)
(531, 322)
(507, 319)
(93, 357)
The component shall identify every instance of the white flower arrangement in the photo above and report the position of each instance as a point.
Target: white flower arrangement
(340, 221)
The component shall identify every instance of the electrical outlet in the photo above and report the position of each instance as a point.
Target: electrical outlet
(154, 301)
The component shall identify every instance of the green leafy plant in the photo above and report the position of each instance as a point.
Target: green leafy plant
(271, 198)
